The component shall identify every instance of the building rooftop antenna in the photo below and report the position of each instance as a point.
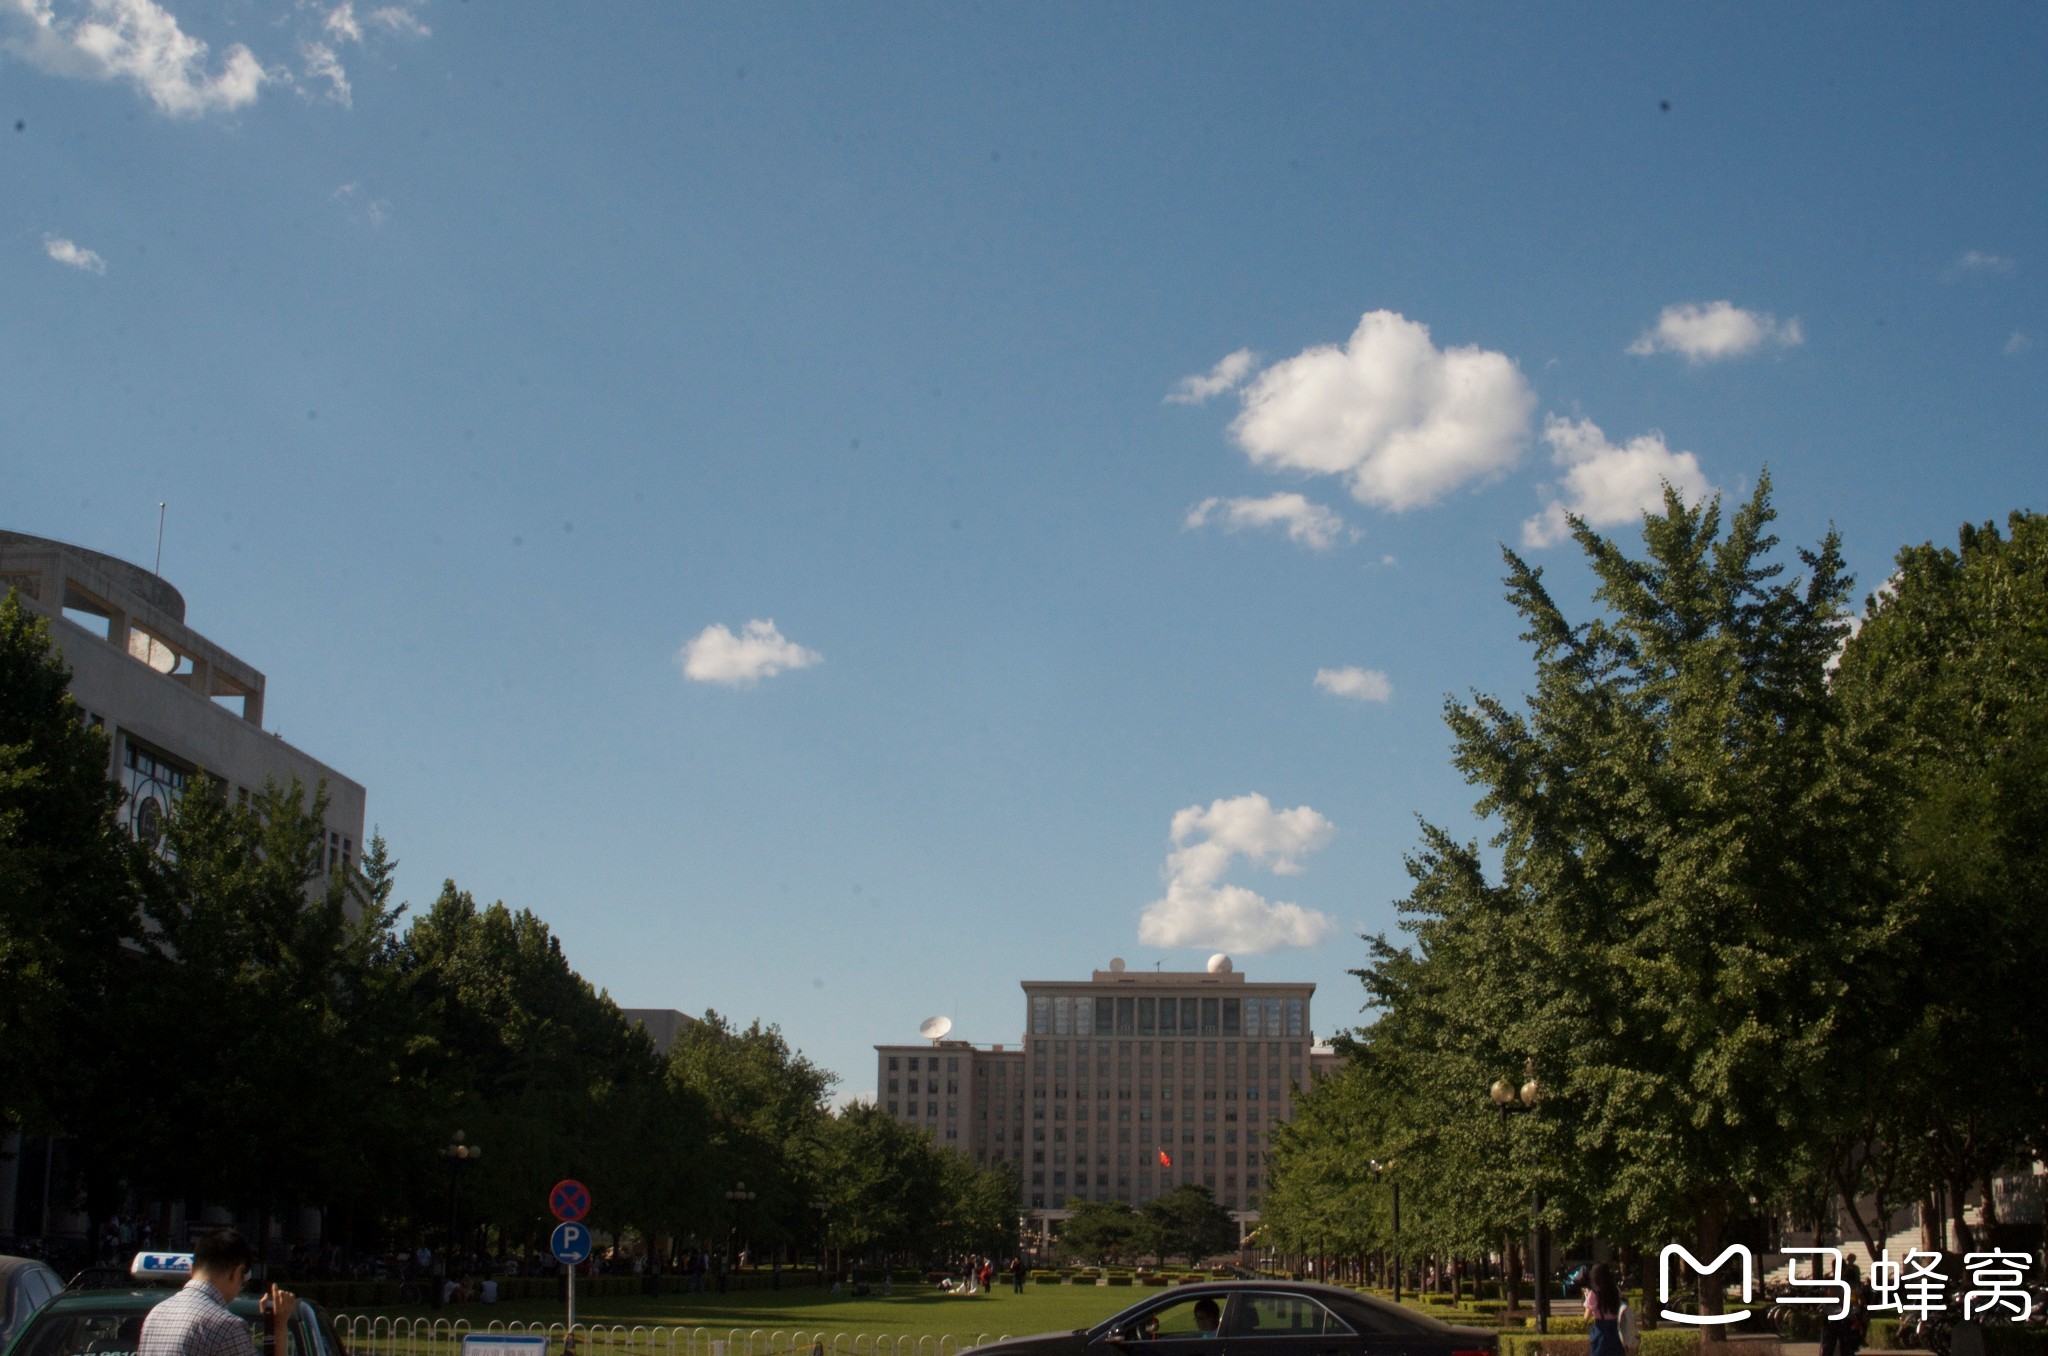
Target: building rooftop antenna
(934, 1029)
(158, 571)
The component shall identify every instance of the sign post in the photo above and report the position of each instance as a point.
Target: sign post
(570, 1201)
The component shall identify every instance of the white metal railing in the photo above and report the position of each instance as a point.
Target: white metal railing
(382, 1335)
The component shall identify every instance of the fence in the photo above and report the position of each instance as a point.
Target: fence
(368, 1335)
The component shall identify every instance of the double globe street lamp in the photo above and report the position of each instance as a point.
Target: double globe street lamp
(1509, 1099)
(458, 1152)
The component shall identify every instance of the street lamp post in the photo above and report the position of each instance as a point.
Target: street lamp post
(736, 1197)
(1508, 1099)
(458, 1151)
(1380, 1169)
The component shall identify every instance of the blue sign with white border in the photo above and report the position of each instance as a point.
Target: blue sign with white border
(570, 1243)
(503, 1344)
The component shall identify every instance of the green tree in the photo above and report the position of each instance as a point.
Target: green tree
(1943, 691)
(1686, 895)
(1098, 1231)
(69, 919)
(66, 901)
(881, 1181)
(1185, 1222)
(267, 968)
(537, 1067)
(766, 1104)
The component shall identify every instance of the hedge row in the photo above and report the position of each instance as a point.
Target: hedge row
(1664, 1342)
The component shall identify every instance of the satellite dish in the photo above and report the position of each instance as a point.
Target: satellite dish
(1219, 964)
(934, 1029)
(1116, 965)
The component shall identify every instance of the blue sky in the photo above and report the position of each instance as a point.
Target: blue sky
(769, 488)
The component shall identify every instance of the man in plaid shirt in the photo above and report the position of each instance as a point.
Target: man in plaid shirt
(197, 1321)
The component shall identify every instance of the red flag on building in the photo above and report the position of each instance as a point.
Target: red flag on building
(1165, 1159)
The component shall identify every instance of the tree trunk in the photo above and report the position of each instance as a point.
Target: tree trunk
(1709, 1287)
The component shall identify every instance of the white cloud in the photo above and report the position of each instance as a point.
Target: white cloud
(1226, 375)
(1606, 484)
(65, 252)
(341, 22)
(1977, 261)
(1402, 421)
(2017, 343)
(716, 655)
(1308, 523)
(400, 20)
(1706, 332)
(1365, 685)
(375, 210)
(322, 64)
(1200, 911)
(135, 40)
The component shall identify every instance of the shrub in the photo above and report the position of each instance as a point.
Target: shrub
(1883, 1334)
(1561, 1326)
(1120, 1280)
(1669, 1342)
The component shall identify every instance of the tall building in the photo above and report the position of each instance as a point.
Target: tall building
(172, 703)
(1126, 1085)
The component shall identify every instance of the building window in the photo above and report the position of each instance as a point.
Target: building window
(1041, 1016)
(1062, 1016)
(1148, 1016)
(952, 1064)
(1230, 1017)
(1295, 1016)
(892, 1085)
(892, 1064)
(892, 1108)
(931, 1109)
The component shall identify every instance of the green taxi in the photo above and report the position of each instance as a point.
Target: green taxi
(109, 1322)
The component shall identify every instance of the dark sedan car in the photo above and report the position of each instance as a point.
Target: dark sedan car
(1257, 1318)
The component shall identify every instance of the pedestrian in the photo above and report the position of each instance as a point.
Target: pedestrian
(197, 1321)
(1843, 1336)
(1017, 1273)
(1610, 1323)
(988, 1274)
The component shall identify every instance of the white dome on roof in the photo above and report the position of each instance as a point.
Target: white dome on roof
(1219, 964)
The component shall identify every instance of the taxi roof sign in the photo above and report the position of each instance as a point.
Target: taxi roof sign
(161, 1266)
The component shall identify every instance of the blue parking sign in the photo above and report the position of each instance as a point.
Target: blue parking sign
(570, 1243)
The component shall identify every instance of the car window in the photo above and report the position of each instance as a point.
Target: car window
(1381, 1320)
(1263, 1314)
(119, 1334)
(1197, 1316)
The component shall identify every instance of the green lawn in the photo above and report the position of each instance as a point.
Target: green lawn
(913, 1311)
